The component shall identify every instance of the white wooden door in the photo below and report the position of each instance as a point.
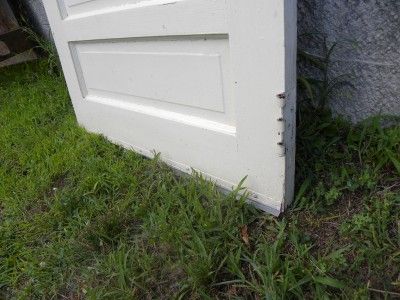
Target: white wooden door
(209, 84)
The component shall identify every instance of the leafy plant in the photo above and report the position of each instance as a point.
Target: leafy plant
(47, 49)
(319, 88)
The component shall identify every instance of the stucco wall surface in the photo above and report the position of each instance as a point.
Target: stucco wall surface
(368, 34)
(38, 16)
(368, 37)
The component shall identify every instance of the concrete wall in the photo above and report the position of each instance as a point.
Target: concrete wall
(368, 33)
(38, 17)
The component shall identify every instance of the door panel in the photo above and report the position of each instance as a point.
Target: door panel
(75, 7)
(188, 75)
(210, 84)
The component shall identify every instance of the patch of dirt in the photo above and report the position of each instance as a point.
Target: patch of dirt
(324, 229)
(58, 183)
(41, 206)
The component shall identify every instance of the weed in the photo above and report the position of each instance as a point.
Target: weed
(47, 49)
(319, 88)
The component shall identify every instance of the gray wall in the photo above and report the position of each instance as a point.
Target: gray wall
(368, 33)
(38, 17)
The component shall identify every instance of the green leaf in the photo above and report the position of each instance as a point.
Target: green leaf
(329, 281)
(303, 188)
(395, 161)
(303, 82)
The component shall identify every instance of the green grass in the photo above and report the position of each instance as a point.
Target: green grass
(83, 218)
